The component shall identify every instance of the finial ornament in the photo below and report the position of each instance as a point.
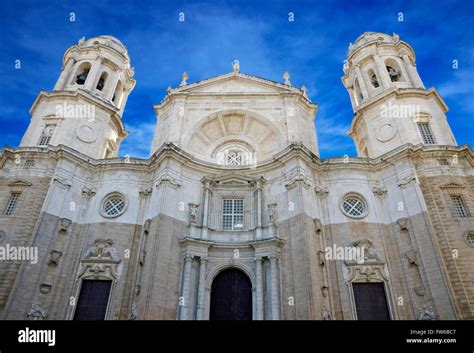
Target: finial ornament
(236, 66)
(287, 76)
(184, 77)
(81, 41)
(395, 37)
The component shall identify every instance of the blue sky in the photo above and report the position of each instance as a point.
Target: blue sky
(214, 33)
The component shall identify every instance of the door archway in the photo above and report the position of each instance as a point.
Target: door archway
(231, 296)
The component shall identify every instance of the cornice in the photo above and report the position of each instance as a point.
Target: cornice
(291, 152)
(112, 110)
(399, 93)
(381, 44)
(187, 90)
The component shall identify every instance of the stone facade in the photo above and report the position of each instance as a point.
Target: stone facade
(156, 227)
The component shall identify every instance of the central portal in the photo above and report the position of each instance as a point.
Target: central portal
(231, 296)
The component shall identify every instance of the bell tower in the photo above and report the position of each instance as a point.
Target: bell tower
(391, 105)
(84, 111)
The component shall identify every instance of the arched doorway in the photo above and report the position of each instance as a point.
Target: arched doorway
(231, 296)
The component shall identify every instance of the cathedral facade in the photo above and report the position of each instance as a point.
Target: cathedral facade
(234, 215)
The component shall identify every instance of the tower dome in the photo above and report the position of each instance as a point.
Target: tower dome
(390, 102)
(84, 110)
(109, 41)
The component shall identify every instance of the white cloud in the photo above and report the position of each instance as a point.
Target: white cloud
(138, 142)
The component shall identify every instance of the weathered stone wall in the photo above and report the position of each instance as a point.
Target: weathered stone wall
(19, 227)
(449, 232)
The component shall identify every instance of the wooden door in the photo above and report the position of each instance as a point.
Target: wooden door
(371, 302)
(231, 296)
(93, 300)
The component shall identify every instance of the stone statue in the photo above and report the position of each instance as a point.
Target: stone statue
(236, 66)
(184, 78)
(133, 313)
(426, 313)
(287, 76)
(304, 90)
(193, 213)
(37, 312)
(271, 213)
(82, 42)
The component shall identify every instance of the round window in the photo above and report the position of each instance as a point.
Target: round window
(354, 206)
(113, 205)
(469, 237)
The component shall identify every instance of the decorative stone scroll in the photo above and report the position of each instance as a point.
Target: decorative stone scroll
(100, 261)
(371, 269)
(379, 191)
(167, 180)
(295, 177)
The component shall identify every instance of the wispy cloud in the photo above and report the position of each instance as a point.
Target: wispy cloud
(138, 142)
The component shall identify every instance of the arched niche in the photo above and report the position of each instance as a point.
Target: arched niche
(237, 130)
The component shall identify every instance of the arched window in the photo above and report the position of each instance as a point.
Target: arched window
(393, 70)
(234, 154)
(373, 79)
(426, 134)
(393, 73)
(116, 98)
(82, 73)
(234, 158)
(101, 82)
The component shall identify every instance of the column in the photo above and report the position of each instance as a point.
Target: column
(93, 74)
(362, 82)
(382, 73)
(259, 279)
(183, 309)
(258, 234)
(125, 94)
(351, 96)
(205, 211)
(412, 73)
(202, 288)
(110, 85)
(64, 75)
(274, 288)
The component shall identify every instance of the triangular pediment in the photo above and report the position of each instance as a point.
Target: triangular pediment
(451, 186)
(18, 186)
(19, 183)
(230, 179)
(236, 83)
